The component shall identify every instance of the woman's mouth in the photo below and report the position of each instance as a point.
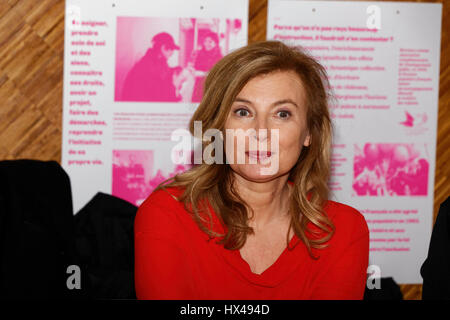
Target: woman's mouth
(259, 155)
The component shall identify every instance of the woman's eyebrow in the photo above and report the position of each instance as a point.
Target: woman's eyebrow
(242, 100)
(277, 103)
(284, 101)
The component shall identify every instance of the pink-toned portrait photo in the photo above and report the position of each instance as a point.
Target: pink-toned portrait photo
(167, 59)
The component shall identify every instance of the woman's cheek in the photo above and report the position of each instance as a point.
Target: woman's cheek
(290, 146)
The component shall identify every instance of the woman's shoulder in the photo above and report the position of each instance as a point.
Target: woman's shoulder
(346, 218)
(164, 197)
(159, 209)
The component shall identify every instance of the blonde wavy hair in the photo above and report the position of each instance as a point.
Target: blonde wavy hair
(213, 183)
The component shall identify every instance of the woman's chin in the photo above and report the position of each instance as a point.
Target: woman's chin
(257, 172)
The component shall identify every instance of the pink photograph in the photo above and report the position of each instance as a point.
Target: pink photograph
(133, 176)
(390, 169)
(167, 59)
(131, 170)
(160, 176)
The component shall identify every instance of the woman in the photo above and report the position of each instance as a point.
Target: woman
(204, 61)
(226, 231)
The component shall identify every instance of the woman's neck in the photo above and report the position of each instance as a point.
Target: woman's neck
(269, 200)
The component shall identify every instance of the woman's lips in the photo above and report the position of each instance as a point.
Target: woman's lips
(259, 155)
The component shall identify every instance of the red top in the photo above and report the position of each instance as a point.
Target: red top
(175, 260)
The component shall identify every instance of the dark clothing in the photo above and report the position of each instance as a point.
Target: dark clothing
(105, 245)
(389, 290)
(150, 80)
(435, 270)
(40, 238)
(36, 231)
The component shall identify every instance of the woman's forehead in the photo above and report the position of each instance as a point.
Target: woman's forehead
(274, 86)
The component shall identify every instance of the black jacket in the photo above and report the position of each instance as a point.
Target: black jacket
(104, 236)
(40, 238)
(36, 230)
(435, 270)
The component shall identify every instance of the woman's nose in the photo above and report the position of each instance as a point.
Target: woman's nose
(261, 128)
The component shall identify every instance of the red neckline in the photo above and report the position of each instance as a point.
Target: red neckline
(284, 265)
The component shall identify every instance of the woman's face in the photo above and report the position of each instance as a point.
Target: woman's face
(275, 102)
(209, 44)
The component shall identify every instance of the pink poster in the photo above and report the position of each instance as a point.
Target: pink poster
(382, 60)
(133, 75)
(134, 175)
(167, 59)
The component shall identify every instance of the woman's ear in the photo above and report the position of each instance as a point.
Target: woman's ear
(307, 141)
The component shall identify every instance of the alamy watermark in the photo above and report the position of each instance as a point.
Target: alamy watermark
(260, 150)
(374, 278)
(74, 280)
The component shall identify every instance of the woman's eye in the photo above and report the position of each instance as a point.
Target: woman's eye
(242, 112)
(283, 114)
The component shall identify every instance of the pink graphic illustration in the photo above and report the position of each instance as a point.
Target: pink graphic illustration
(389, 169)
(409, 122)
(414, 123)
(133, 179)
(167, 59)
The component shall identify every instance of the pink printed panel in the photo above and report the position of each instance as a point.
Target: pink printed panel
(389, 169)
(168, 62)
(183, 160)
(133, 176)
(131, 170)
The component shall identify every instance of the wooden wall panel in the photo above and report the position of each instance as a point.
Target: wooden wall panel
(31, 66)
